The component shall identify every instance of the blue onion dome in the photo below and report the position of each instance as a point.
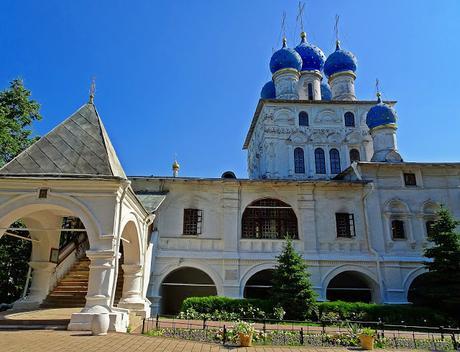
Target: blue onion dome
(268, 91)
(340, 61)
(380, 114)
(326, 93)
(285, 58)
(312, 57)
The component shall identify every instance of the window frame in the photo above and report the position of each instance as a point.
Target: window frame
(403, 228)
(334, 163)
(349, 119)
(350, 225)
(303, 115)
(310, 94)
(299, 160)
(320, 161)
(192, 215)
(354, 150)
(269, 218)
(410, 179)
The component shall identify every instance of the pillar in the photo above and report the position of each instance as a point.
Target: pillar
(310, 77)
(100, 284)
(132, 290)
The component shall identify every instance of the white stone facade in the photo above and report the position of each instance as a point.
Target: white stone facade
(373, 192)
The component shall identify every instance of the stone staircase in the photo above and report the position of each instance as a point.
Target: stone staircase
(72, 288)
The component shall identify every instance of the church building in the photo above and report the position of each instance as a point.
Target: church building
(323, 169)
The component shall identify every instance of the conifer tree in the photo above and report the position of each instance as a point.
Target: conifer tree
(442, 283)
(292, 289)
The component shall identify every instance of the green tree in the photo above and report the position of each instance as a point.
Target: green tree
(14, 256)
(292, 289)
(442, 283)
(17, 112)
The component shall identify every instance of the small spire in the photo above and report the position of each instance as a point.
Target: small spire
(303, 37)
(337, 45)
(175, 168)
(284, 42)
(377, 88)
(92, 91)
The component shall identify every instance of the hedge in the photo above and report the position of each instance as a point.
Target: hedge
(216, 307)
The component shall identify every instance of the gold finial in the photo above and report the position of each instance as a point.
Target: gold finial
(303, 35)
(175, 168)
(92, 90)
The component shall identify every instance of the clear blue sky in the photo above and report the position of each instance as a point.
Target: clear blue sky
(184, 76)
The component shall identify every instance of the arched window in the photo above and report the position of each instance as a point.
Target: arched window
(299, 163)
(349, 119)
(269, 218)
(310, 91)
(397, 230)
(429, 227)
(320, 162)
(354, 155)
(335, 161)
(303, 118)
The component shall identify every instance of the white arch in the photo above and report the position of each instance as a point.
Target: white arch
(409, 279)
(276, 196)
(396, 206)
(218, 282)
(131, 230)
(368, 276)
(251, 272)
(23, 205)
(429, 207)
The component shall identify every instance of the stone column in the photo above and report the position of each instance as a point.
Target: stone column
(343, 85)
(132, 285)
(286, 81)
(100, 283)
(40, 284)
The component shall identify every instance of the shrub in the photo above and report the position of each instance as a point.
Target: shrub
(390, 314)
(231, 309)
(225, 308)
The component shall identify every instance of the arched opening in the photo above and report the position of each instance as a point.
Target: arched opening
(51, 270)
(349, 119)
(303, 118)
(269, 218)
(354, 155)
(299, 162)
(320, 161)
(183, 283)
(416, 293)
(350, 286)
(334, 157)
(259, 285)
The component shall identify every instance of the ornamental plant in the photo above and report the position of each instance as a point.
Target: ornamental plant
(243, 327)
(292, 289)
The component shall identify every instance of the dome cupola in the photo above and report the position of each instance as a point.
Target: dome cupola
(313, 57)
(268, 91)
(380, 114)
(339, 61)
(285, 58)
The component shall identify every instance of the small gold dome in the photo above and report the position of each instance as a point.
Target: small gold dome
(175, 165)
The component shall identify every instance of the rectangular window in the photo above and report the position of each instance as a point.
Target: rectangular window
(345, 223)
(397, 230)
(410, 179)
(192, 221)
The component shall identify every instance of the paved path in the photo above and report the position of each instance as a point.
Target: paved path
(59, 341)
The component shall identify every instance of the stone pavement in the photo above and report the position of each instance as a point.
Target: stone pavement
(69, 341)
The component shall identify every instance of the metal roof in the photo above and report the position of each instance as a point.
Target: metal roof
(78, 146)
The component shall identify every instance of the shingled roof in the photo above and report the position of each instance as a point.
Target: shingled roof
(79, 146)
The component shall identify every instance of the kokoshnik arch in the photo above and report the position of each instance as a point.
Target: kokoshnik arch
(324, 169)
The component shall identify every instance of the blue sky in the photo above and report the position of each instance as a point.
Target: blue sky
(184, 76)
